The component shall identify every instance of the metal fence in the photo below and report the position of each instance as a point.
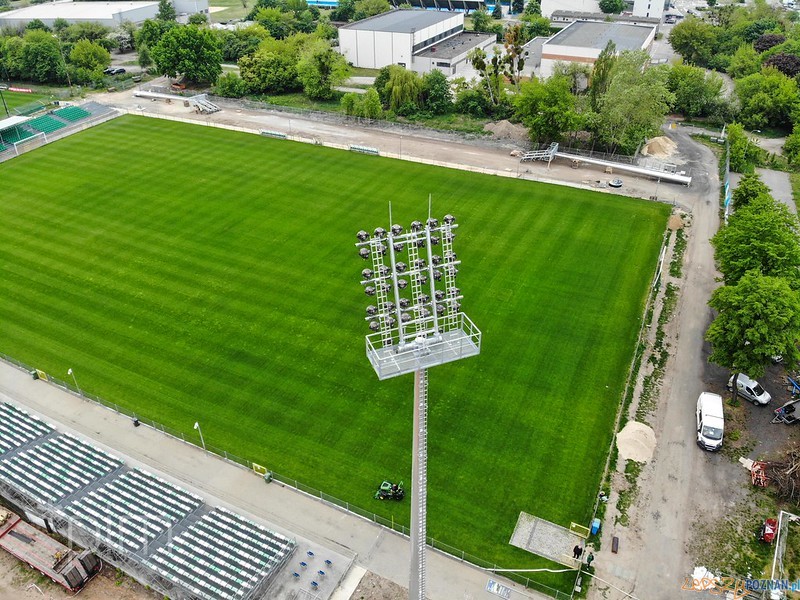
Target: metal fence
(312, 492)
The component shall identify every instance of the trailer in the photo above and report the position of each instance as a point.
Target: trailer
(64, 566)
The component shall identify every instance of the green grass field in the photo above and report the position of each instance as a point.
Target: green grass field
(15, 99)
(196, 274)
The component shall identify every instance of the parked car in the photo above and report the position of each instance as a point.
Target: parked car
(710, 421)
(114, 71)
(750, 389)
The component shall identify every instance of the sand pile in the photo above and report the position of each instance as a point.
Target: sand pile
(508, 130)
(636, 442)
(660, 147)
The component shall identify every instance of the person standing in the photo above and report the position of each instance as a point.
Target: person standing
(589, 559)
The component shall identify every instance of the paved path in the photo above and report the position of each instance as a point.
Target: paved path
(780, 186)
(219, 482)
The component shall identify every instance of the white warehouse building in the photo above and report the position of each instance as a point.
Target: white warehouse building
(641, 8)
(110, 14)
(419, 40)
(583, 41)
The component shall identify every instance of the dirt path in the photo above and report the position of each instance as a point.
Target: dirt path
(682, 483)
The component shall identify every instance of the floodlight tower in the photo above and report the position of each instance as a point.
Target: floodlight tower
(417, 323)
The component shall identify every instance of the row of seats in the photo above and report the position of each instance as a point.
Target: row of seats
(238, 575)
(37, 489)
(187, 580)
(91, 453)
(71, 113)
(14, 134)
(245, 528)
(88, 523)
(167, 514)
(107, 528)
(46, 124)
(22, 423)
(232, 562)
(191, 501)
(56, 452)
(211, 575)
(245, 547)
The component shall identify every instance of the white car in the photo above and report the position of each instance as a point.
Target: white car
(750, 389)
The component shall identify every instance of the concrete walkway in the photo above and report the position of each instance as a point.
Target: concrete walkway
(222, 483)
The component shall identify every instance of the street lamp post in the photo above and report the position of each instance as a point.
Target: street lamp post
(75, 381)
(417, 323)
(3, 98)
(200, 431)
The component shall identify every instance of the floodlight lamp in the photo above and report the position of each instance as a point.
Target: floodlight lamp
(391, 321)
(383, 270)
(401, 267)
(454, 292)
(380, 233)
(374, 325)
(405, 317)
(362, 236)
(423, 279)
(438, 294)
(420, 263)
(388, 306)
(451, 270)
(424, 299)
(449, 236)
(402, 284)
(372, 310)
(369, 290)
(440, 309)
(450, 256)
(367, 273)
(405, 302)
(432, 223)
(437, 275)
(436, 259)
(364, 253)
(420, 243)
(449, 219)
(425, 312)
(397, 229)
(416, 226)
(398, 246)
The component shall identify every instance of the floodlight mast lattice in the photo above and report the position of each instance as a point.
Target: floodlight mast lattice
(417, 323)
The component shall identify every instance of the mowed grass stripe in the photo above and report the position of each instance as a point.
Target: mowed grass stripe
(198, 274)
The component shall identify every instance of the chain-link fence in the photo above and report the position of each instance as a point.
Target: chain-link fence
(312, 492)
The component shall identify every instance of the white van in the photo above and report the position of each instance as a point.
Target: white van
(710, 421)
(750, 389)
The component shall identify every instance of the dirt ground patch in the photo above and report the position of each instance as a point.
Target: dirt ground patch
(19, 582)
(375, 587)
(508, 130)
(660, 147)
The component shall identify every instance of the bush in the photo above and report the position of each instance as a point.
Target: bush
(472, 102)
(230, 85)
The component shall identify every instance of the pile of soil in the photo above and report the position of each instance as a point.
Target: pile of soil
(660, 147)
(375, 587)
(508, 130)
(636, 442)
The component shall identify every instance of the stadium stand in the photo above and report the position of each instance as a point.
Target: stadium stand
(46, 124)
(72, 113)
(14, 134)
(57, 468)
(133, 509)
(220, 554)
(18, 428)
(165, 536)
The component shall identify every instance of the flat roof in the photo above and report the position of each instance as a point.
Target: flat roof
(591, 34)
(455, 46)
(74, 10)
(12, 121)
(590, 16)
(402, 20)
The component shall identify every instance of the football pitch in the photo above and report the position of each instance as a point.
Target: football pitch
(15, 99)
(196, 274)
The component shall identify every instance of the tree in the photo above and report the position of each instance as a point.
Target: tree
(320, 69)
(145, 61)
(767, 41)
(166, 11)
(497, 11)
(635, 103)
(491, 73)
(198, 19)
(788, 64)
(742, 151)
(760, 237)
(344, 11)
(435, 93)
(576, 73)
(612, 6)
(89, 55)
(515, 53)
(230, 85)
(190, 51)
(601, 74)
(481, 21)
(744, 62)
(767, 98)
(404, 90)
(369, 8)
(278, 23)
(533, 7)
(350, 103)
(750, 187)
(36, 25)
(371, 105)
(380, 85)
(535, 26)
(59, 24)
(151, 32)
(517, 6)
(546, 108)
(694, 40)
(268, 72)
(696, 92)
(40, 58)
(757, 319)
(791, 148)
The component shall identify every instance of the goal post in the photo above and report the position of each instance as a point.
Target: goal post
(579, 530)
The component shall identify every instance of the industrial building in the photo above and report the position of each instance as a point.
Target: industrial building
(418, 40)
(640, 8)
(110, 14)
(583, 41)
(561, 18)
